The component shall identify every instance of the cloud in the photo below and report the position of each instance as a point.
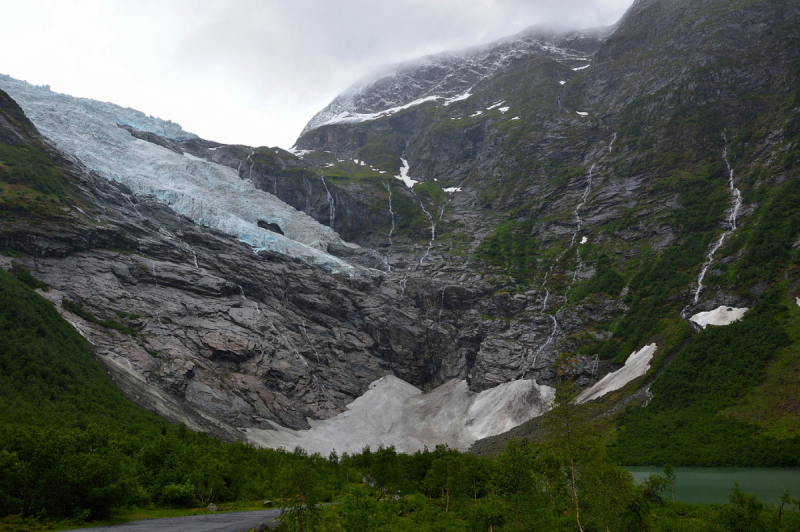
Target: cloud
(251, 71)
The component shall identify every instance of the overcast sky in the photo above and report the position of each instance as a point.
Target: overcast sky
(250, 71)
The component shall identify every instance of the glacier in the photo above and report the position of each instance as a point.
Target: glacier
(209, 194)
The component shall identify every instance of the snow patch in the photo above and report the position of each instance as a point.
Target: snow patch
(562, 82)
(404, 175)
(582, 113)
(393, 412)
(723, 315)
(637, 365)
(504, 110)
(458, 98)
(798, 301)
(498, 104)
(347, 117)
(298, 153)
(584, 240)
(581, 68)
(515, 118)
(452, 189)
(477, 113)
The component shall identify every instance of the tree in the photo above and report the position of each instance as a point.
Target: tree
(598, 489)
(297, 484)
(384, 470)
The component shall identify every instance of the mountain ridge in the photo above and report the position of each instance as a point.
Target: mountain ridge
(563, 219)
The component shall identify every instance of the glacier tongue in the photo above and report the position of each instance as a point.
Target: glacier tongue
(209, 194)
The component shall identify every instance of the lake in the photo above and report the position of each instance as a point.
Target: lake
(713, 484)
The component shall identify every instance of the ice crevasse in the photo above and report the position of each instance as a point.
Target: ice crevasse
(207, 193)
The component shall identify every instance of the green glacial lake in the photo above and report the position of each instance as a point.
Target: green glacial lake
(713, 484)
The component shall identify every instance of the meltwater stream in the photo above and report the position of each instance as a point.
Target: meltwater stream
(737, 204)
(528, 365)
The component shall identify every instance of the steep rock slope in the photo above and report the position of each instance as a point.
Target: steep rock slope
(190, 322)
(566, 215)
(605, 206)
(199, 327)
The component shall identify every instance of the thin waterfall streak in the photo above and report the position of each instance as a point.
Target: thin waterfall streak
(331, 204)
(305, 332)
(579, 265)
(433, 229)
(290, 346)
(391, 212)
(707, 265)
(547, 291)
(737, 194)
(403, 284)
(737, 204)
(194, 258)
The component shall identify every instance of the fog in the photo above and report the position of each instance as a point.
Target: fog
(250, 71)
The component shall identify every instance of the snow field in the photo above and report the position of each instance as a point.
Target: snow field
(723, 315)
(393, 412)
(404, 175)
(637, 365)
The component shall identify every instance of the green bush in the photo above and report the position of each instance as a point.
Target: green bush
(178, 495)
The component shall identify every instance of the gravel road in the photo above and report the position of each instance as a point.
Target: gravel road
(221, 522)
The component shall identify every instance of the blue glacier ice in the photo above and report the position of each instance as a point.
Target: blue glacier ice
(210, 194)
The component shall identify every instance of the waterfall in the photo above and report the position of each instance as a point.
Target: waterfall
(194, 258)
(241, 292)
(433, 229)
(550, 338)
(403, 284)
(305, 332)
(289, 344)
(547, 291)
(736, 196)
(577, 210)
(441, 305)
(391, 212)
(331, 204)
(578, 267)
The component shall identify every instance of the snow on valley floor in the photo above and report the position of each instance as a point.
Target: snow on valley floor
(393, 412)
(637, 365)
(723, 315)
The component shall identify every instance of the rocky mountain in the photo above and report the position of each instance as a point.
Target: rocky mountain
(449, 77)
(586, 207)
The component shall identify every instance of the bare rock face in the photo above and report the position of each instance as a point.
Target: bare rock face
(195, 326)
(554, 175)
